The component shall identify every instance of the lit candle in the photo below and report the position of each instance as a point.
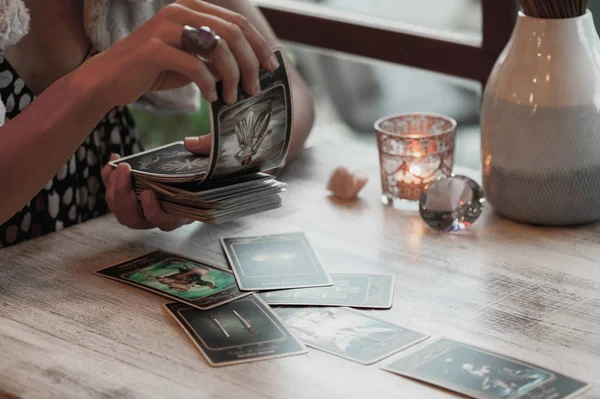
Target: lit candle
(415, 149)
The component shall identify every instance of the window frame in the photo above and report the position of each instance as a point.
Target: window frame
(410, 46)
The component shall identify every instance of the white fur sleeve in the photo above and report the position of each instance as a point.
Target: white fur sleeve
(14, 24)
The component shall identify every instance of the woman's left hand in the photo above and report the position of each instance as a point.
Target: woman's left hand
(123, 201)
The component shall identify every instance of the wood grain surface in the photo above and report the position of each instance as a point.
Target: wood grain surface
(528, 292)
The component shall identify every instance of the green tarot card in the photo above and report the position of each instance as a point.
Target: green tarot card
(190, 281)
(352, 290)
(348, 333)
(241, 331)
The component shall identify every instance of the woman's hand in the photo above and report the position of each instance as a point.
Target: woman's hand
(151, 59)
(123, 202)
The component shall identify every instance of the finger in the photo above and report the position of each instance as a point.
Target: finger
(260, 46)
(224, 65)
(214, 71)
(245, 58)
(122, 199)
(155, 215)
(227, 67)
(230, 32)
(200, 145)
(108, 169)
(169, 58)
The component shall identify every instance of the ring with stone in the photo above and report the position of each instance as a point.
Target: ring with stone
(201, 42)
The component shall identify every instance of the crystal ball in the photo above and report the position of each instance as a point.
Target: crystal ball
(451, 204)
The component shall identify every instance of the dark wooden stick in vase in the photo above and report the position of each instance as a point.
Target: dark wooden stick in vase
(574, 8)
(583, 6)
(554, 9)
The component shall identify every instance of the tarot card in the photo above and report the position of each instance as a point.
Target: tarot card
(182, 279)
(218, 216)
(206, 188)
(348, 333)
(171, 162)
(245, 330)
(274, 262)
(253, 134)
(352, 290)
(481, 374)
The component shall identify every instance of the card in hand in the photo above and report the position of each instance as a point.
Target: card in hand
(171, 162)
(348, 333)
(196, 283)
(481, 374)
(274, 262)
(245, 330)
(374, 291)
(253, 134)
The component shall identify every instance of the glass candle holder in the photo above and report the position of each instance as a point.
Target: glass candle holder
(414, 150)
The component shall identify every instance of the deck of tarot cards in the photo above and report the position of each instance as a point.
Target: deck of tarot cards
(249, 138)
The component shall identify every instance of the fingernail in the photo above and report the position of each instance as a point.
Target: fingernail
(147, 198)
(212, 96)
(191, 140)
(124, 165)
(273, 63)
(231, 97)
(256, 88)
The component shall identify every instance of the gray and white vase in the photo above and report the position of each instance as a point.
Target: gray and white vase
(540, 124)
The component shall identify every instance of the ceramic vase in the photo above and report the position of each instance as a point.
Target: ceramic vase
(540, 123)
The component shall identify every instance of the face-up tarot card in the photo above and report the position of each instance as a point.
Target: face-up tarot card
(348, 333)
(253, 134)
(352, 290)
(481, 374)
(274, 262)
(171, 162)
(189, 281)
(245, 330)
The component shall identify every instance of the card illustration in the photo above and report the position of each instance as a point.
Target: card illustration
(241, 331)
(170, 160)
(348, 333)
(482, 374)
(253, 134)
(196, 283)
(179, 277)
(352, 290)
(274, 262)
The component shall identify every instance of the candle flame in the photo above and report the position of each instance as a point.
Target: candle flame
(415, 170)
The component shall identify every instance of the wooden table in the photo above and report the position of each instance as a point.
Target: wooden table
(532, 293)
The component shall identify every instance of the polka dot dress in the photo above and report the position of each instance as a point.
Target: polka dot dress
(76, 193)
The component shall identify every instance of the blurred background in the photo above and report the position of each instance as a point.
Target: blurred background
(351, 93)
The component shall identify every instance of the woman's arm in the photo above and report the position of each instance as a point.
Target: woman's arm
(35, 144)
(41, 139)
(303, 100)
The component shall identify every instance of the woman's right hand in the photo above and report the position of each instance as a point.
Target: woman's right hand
(151, 58)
